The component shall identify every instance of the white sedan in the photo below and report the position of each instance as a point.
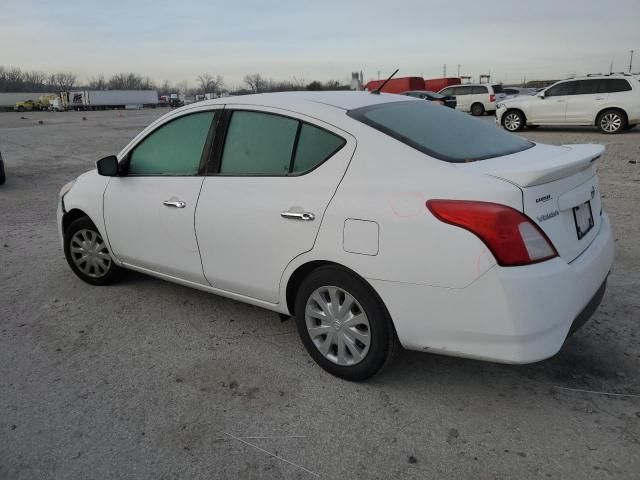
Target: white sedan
(375, 220)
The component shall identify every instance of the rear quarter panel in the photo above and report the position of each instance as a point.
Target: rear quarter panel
(389, 183)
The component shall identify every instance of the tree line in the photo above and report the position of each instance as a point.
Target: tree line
(17, 80)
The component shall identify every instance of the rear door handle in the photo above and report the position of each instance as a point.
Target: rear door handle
(174, 203)
(304, 216)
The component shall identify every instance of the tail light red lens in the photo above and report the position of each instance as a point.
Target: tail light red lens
(510, 235)
(492, 98)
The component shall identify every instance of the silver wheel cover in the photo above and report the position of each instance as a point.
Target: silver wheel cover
(611, 122)
(338, 325)
(89, 253)
(512, 122)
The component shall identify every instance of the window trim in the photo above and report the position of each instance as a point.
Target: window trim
(123, 165)
(215, 162)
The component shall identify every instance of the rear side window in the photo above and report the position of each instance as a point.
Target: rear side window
(175, 148)
(314, 147)
(466, 90)
(442, 133)
(260, 143)
(497, 89)
(585, 87)
(613, 85)
(479, 89)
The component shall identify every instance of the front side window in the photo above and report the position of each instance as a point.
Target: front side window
(447, 91)
(174, 148)
(561, 89)
(260, 143)
(441, 133)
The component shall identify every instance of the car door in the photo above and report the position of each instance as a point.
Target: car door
(463, 96)
(588, 98)
(551, 106)
(149, 209)
(263, 202)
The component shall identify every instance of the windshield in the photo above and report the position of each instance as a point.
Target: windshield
(442, 133)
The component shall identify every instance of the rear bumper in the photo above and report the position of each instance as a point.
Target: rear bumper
(508, 315)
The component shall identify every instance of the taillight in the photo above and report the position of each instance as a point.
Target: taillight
(492, 98)
(510, 235)
(439, 102)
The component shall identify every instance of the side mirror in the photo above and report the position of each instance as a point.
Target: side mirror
(108, 166)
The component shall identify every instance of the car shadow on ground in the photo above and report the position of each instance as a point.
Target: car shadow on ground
(579, 364)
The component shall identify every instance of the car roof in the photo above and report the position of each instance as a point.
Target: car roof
(309, 102)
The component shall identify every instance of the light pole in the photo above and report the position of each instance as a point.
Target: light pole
(630, 60)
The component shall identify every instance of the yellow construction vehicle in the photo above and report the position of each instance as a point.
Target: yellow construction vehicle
(27, 106)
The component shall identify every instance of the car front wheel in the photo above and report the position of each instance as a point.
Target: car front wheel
(343, 324)
(87, 254)
(513, 121)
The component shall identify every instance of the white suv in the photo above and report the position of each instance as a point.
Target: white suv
(476, 98)
(611, 102)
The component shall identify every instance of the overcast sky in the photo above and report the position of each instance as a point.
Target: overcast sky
(323, 39)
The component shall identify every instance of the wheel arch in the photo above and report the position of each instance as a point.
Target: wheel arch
(604, 109)
(71, 216)
(515, 109)
(302, 271)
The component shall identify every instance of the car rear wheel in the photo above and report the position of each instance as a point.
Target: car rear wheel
(513, 121)
(87, 254)
(477, 109)
(343, 324)
(612, 121)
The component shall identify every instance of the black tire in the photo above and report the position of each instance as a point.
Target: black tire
(3, 177)
(477, 109)
(611, 121)
(513, 120)
(113, 273)
(383, 340)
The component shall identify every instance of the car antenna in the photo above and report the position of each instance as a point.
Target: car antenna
(377, 90)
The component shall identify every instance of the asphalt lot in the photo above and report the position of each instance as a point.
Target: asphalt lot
(152, 380)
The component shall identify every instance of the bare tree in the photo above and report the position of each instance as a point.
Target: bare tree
(34, 81)
(208, 84)
(98, 83)
(64, 81)
(255, 82)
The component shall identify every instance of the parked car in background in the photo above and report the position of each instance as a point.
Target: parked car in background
(610, 102)
(475, 98)
(375, 220)
(511, 92)
(433, 97)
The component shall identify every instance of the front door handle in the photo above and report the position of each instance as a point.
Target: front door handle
(174, 203)
(304, 216)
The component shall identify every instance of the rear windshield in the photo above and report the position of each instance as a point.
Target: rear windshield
(440, 132)
(497, 89)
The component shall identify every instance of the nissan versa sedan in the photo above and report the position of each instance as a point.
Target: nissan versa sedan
(377, 221)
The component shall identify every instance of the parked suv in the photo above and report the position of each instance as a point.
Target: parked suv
(477, 99)
(610, 102)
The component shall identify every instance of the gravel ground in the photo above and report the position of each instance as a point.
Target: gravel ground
(148, 379)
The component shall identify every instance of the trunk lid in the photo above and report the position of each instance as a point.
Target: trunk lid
(560, 191)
